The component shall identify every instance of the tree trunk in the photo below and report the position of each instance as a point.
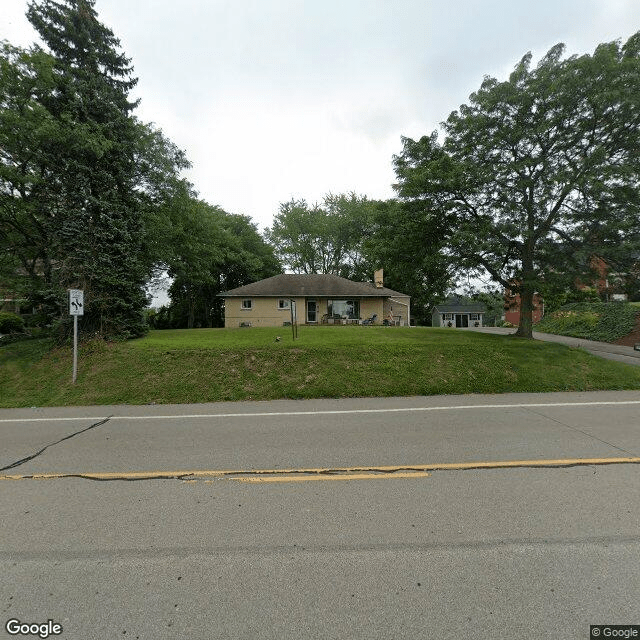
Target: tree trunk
(192, 312)
(525, 327)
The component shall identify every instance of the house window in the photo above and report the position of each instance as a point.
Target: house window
(247, 304)
(474, 316)
(448, 316)
(284, 304)
(344, 308)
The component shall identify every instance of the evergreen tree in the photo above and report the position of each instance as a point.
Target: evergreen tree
(89, 200)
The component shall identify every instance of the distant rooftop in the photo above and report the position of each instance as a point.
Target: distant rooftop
(456, 305)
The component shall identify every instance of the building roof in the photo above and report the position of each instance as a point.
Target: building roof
(455, 305)
(291, 285)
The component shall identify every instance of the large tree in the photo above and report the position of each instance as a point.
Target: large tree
(83, 183)
(409, 245)
(211, 251)
(325, 237)
(96, 212)
(537, 173)
(28, 132)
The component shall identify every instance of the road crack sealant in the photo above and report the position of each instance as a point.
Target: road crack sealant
(22, 461)
(342, 473)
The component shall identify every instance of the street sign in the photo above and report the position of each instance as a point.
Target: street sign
(76, 302)
(76, 308)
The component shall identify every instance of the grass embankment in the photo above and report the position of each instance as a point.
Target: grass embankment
(209, 365)
(605, 322)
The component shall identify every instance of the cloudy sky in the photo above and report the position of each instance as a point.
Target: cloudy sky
(281, 99)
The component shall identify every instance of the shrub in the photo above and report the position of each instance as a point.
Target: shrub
(555, 298)
(603, 321)
(11, 323)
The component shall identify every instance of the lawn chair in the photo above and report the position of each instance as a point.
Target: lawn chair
(371, 320)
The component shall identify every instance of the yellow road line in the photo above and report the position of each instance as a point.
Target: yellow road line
(314, 478)
(320, 471)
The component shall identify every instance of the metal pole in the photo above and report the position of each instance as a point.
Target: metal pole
(75, 348)
(294, 318)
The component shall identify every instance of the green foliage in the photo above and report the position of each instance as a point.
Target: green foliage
(205, 251)
(210, 365)
(605, 322)
(81, 180)
(408, 245)
(556, 297)
(11, 323)
(211, 251)
(326, 237)
(538, 173)
(351, 236)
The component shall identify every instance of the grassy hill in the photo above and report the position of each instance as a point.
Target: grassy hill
(605, 322)
(208, 365)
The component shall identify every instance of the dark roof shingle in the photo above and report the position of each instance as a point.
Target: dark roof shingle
(309, 284)
(453, 305)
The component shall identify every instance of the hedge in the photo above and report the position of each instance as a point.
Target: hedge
(602, 321)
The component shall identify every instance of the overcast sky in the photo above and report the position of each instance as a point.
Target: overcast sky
(281, 99)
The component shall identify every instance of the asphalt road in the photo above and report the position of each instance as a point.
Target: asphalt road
(367, 523)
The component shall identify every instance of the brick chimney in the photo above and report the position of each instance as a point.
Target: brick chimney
(378, 278)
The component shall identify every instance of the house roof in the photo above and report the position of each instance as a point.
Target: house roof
(455, 305)
(309, 284)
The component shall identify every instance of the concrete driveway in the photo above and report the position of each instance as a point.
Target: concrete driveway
(603, 349)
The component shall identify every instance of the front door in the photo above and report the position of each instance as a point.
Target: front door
(312, 311)
(462, 320)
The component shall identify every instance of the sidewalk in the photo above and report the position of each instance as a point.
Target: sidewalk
(603, 349)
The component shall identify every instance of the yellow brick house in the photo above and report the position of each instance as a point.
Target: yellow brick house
(317, 298)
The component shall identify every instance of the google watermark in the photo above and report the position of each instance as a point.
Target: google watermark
(41, 629)
(626, 631)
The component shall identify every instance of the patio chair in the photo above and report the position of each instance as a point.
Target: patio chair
(370, 320)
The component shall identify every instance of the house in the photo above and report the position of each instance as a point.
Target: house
(455, 312)
(610, 285)
(317, 299)
(512, 307)
(9, 300)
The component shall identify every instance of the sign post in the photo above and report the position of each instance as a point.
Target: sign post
(76, 308)
(294, 319)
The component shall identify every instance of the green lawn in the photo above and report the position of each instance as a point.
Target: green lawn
(208, 365)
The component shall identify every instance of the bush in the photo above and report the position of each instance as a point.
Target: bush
(603, 321)
(555, 299)
(11, 323)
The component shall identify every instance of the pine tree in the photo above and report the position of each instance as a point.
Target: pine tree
(94, 210)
